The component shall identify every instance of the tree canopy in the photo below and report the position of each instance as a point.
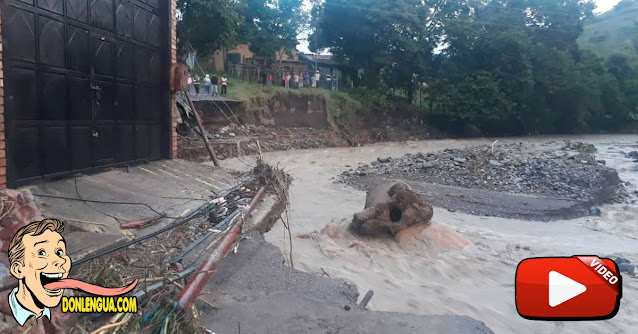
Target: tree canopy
(267, 25)
(498, 66)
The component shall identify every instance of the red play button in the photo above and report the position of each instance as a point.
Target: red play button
(575, 288)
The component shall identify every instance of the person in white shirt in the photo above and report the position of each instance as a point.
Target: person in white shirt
(224, 82)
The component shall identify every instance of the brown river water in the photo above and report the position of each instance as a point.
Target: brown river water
(462, 264)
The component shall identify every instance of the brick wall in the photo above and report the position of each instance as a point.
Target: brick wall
(174, 110)
(3, 146)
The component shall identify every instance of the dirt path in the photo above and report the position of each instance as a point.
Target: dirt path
(478, 280)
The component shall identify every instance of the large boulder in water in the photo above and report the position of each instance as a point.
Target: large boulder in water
(391, 208)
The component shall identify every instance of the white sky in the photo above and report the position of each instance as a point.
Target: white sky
(601, 7)
(605, 5)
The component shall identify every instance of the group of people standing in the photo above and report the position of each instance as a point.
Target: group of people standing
(211, 84)
(300, 80)
(296, 80)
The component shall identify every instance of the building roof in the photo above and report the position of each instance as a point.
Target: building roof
(329, 59)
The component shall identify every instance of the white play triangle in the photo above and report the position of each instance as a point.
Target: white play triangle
(563, 288)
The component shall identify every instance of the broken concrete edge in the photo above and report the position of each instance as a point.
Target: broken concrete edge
(195, 284)
(268, 213)
(286, 300)
(271, 208)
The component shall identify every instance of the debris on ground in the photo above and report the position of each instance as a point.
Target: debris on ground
(17, 208)
(162, 264)
(389, 209)
(159, 260)
(570, 173)
(580, 147)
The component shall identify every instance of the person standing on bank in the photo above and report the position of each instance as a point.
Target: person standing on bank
(295, 80)
(207, 83)
(306, 80)
(287, 80)
(224, 82)
(215, 82)
(196, 83)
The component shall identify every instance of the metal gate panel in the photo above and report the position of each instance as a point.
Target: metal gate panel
(77, 10)
(19, 33)
(125, 61)
(78, 56)
(99, 13)
(58, 54)
(55, 6)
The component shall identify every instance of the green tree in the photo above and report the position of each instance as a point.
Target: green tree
(501, 66)
(272, 25)
(387, 41)
(208, 25)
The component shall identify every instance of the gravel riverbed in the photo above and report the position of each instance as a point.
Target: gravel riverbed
(571, 172)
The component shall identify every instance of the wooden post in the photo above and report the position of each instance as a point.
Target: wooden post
(203, 133)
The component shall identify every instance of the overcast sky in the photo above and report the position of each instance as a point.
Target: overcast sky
(605, 5)
(602, 6)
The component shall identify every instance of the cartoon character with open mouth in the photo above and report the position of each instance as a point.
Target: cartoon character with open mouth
(38, 259)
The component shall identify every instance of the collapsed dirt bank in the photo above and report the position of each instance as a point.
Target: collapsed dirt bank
(511, 180)
(230, 142)
(256, 293)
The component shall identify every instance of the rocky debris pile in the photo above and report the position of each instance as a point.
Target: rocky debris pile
(570, 172)
(390, 209)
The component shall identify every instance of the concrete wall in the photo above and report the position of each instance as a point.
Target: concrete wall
(281, 110)
(299, 111)
(3, 151)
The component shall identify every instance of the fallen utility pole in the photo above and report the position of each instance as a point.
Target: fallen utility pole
(194, 286)
(201, 131)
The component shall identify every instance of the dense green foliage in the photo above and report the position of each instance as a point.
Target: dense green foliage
(267, 25)
(502, 67)
(208, 25)
(270, 26)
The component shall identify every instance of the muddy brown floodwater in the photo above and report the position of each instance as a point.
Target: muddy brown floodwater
(443, 273)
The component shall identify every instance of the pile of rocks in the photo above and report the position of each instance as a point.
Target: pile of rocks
(517, 168)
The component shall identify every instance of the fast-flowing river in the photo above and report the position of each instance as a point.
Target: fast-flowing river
(467, 265)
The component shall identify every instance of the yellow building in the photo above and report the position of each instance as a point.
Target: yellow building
(241, 55)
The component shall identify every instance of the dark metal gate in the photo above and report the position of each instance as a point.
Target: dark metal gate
(86, 85)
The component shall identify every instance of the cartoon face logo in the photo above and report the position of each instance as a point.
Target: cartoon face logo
(38, 259)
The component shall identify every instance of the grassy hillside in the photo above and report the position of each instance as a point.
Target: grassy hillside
(615, 31)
